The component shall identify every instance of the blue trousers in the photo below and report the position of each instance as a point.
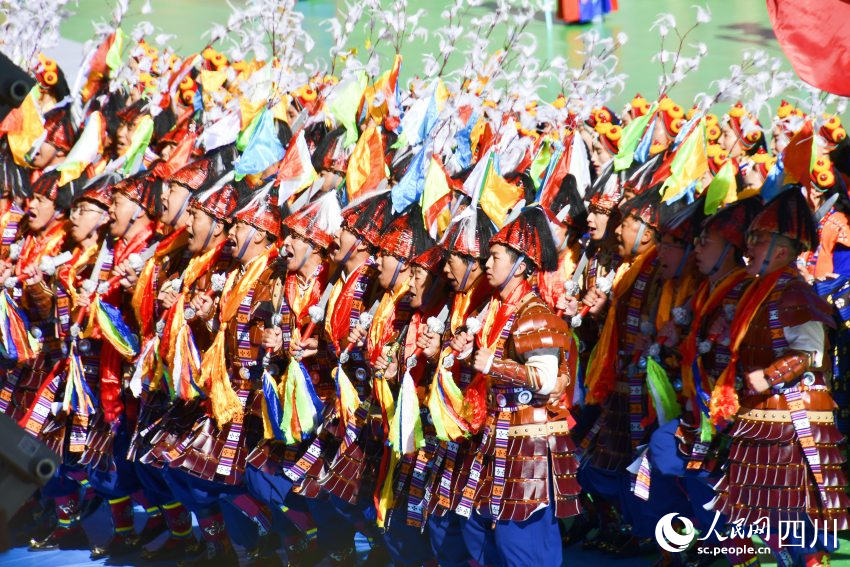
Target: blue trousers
(447, 543)
(123, 480)
(534, 542)
(205, 498)
(407, 545)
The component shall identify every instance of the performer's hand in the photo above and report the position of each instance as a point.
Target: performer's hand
(304, 349)
(6, 271)
(388, 364)
(32, 275)
(462, 342)
(481, 359)
(357, 336)
(202, 305)
(168, 297)
(568, 304)
(596, 300)
(429, 343)
(272, 339)
(124, 270)
(83, 299)
(757, 382)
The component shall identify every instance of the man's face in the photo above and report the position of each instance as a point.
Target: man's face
(40, 212)
(420, 283)
(86, 217)
(729, 141)
(295, 252)
(627, 235)
(199, 228)
(709, 250)
(45, 155)
(343, 242)
(330, 180)
(455, 269)
(174, 199)
(122, 213)
(123, 138)
(387, 265)
(671, 254)
(760, 254)
(240, 235)
(597, 224)
(499, 265)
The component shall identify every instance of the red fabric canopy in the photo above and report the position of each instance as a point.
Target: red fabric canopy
(815, 37)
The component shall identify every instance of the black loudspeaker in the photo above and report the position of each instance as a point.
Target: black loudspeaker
(26, 464)
(15, 84)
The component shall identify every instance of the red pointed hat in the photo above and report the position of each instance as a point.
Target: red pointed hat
(788, 215)
(529, 234)
(219, 201)
(470, 236)
(431, 260)
(144, 189)
(732, 221)
(194, 175)
(405, 237)
(262, 213)
(47, 185)
(367, 218)
(99, 191)
(317, 222)
(60, 133)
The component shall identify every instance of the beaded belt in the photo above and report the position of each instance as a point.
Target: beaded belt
(539, 429)
(785, 416)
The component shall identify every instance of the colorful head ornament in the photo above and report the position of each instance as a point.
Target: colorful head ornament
(745, 126)
(219, 200)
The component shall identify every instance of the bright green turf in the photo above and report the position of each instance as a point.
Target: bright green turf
(735, 26)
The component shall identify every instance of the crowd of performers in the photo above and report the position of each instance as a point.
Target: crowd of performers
(297, 329)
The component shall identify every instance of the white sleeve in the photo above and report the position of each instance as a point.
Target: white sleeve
(808, 337)
(543, 363)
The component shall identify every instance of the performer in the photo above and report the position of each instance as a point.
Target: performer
(782, 398)
(304, 369)
(135, 206)
(688, 448)
(206, 467)
(626, 334)
(520, 357)
(172, 392)
(352, 295)
(75, 391)
(467, 245)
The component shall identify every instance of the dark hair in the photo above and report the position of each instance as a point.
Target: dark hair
(60, 90)
(528, 188)
(324, 146)
(284, 132)
(163, 123)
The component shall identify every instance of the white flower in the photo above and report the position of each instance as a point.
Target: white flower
(703, 14)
